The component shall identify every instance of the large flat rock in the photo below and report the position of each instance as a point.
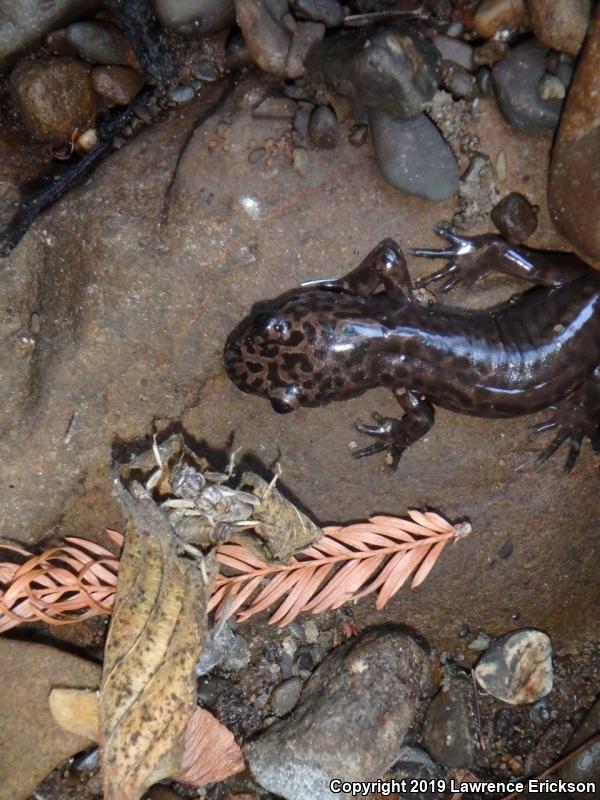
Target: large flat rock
(137, 277)
(31, 743)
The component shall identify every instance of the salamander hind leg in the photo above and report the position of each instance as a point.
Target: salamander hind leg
(470, 257)
(574, 419)
(396, 435)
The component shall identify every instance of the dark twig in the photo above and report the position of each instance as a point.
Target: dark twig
(113, 125)
(142, 29)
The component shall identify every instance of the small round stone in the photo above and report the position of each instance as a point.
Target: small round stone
(515, 217)
(359, 135)
(516, 80)
(413, 156)
(181, 94)
(517, 668)
(323, 128)
(551, 87)
(195, 17)
(458, 81)
(117, 85)
(285, 696)
(53, 97)
(100, 42)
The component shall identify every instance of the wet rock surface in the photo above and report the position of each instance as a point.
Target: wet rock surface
(99, 42)
(516, 81)
(197, 17)
(53, 97)
(560, 24)
(327, 11)
(496, 15)
(32, 743)
(323, 128)
(413, 764)
(277, 42)
(114, 311)
(392, 69)
(574, 181)
(450, 726)
(517, 668)
(25, 23)
(413, 156)
(367, 690)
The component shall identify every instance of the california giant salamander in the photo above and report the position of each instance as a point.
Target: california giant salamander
(333, 340)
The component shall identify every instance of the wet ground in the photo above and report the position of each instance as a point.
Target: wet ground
(113, 316)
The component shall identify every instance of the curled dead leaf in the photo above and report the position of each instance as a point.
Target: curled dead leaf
(148, 690)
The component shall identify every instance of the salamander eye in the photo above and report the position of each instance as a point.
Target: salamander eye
(285, 400)
(282, 326)
(270, 325)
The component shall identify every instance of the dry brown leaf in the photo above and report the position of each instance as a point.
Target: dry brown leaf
(148, 691)
(211, 753)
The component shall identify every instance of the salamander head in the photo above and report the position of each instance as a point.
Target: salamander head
(268, 354)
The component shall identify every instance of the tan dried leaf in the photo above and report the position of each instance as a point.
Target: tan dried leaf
(284, 529)
(148, 691)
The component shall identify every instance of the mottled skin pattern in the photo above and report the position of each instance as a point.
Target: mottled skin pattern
(333, 340)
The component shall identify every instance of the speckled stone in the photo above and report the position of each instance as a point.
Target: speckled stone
(394, 69)
(53, 96)
(117, 85)
(560, 24)
(517, 668)
(449, 728)
(364, 691)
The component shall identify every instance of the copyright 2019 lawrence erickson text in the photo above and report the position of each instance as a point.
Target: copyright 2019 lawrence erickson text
(545, 786)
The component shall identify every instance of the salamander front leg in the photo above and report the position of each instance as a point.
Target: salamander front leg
(384, 266)
(470, 257)
(396, 435)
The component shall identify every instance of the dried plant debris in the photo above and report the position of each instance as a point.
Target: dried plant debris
(346, 564)
(246, 565)
(283, 529)
(64, 584)
(148, 690)
(210, 752)
(205, 509)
